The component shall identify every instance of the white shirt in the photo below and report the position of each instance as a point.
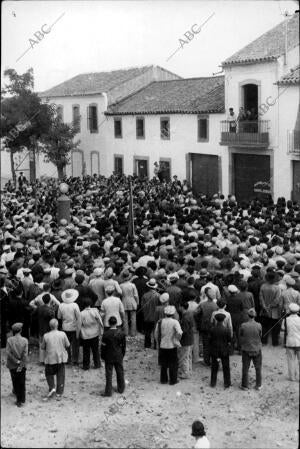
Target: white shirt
(202, 443)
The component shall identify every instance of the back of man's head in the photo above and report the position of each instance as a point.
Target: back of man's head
(46, 298)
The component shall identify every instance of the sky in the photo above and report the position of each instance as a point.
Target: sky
(95, 36)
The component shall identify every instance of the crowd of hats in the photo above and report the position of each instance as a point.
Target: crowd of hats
(172, 227)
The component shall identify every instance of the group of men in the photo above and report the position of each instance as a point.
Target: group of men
(201, 277)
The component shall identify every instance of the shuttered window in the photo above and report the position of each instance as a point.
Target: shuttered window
(92, 118)
(203, 129)
(165, 128)
(118, 128)
(140, 128)
(76, 118)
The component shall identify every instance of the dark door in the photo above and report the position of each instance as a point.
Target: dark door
(165, 171)
(118, 165)
(205, 174)
(251, 176)
(296, 181)
(142, 168)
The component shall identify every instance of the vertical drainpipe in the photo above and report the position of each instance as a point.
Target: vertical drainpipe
(104, 150)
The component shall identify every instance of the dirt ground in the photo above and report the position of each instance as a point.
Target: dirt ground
(149, 414)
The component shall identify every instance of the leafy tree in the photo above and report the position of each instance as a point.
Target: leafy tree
(58, 143)
(24, 117)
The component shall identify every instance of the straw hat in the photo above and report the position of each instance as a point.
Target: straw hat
(70, 295)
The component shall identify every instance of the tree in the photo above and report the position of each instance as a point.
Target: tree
(58, 143)
(24, 117)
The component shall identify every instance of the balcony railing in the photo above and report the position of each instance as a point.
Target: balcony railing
(293, 143)
(252, 133)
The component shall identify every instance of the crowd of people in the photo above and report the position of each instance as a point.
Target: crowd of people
(201, 278)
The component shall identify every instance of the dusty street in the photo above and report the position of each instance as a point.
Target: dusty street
(150, 414)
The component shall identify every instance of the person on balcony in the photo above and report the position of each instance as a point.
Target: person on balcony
(241, 118)
(231, 118)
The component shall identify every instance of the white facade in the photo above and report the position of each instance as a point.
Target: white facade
(278, 105)
(183, 142)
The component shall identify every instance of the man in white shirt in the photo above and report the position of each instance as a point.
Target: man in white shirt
(112, 306)
(69, 313)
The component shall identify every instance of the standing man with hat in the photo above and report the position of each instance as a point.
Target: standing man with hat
(219, 348)
(167, 334)
(112, 306)
(17, 354)
(292, 341)
(69, 313)
(271, 306)
(55, 344)
(149, 302)
(290, 295)
(130, 299)
(250, 340)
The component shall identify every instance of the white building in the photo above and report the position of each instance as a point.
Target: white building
(175, 123)
(263, 77)
(88, 96)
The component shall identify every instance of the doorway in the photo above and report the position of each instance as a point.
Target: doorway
(141, 167)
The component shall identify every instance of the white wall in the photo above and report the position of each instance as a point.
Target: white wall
(281, 111)
(183, 140)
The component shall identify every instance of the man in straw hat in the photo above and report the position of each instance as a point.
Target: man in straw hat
(292, 341)
(55, 344)
(167, 334)
(149, 302)
(17, 353)
(69, 313)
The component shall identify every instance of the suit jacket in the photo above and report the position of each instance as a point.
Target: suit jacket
(219, 340)
(16, 350)
(113, 345)
(45, 313)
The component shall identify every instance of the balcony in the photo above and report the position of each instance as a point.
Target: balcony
(293, 143)
(251, 134)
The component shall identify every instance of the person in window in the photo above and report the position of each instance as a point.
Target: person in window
(241, 118)
(231, 118)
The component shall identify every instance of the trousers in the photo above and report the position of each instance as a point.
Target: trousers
(57, 370)
(268, 324)
(246, 361)
(18, 381)
(73, 349)
(215, 368)
(293, 361)
(130, 322)
(185, 361)
(149, 328)
(109, 366)
(195, 348)
(88, 345)
(206, 351)
(168, 360)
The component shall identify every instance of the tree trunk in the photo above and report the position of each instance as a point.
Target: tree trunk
(60, 171)
(12, 166)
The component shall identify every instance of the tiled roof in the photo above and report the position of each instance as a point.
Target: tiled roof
(94, 83)
(293, 77)
(186, 96)
(269, 46)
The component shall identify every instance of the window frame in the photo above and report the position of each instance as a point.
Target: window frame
(199, 118)
(78, 126)
(136, 128)
(119, 119)
(163, 119)
(89, 118)
(119, 156)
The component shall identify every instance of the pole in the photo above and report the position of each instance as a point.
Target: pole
(131, 217)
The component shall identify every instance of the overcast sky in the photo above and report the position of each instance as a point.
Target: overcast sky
(94, 36)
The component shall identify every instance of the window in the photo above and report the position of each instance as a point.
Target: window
(60, 112)
(76, 118)
(165, 128)
(140, 128)
(119, 165)
(203, 129)
(92, 118)
(118, 128)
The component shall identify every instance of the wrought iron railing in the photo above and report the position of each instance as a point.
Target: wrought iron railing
(252, 132)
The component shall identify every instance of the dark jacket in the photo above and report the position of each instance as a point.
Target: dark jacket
(250, 336)
(113, 346)
(187, 326)
(44, 313)
(219, 341)
(235, 308)
(85, 292)
(203, 315)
